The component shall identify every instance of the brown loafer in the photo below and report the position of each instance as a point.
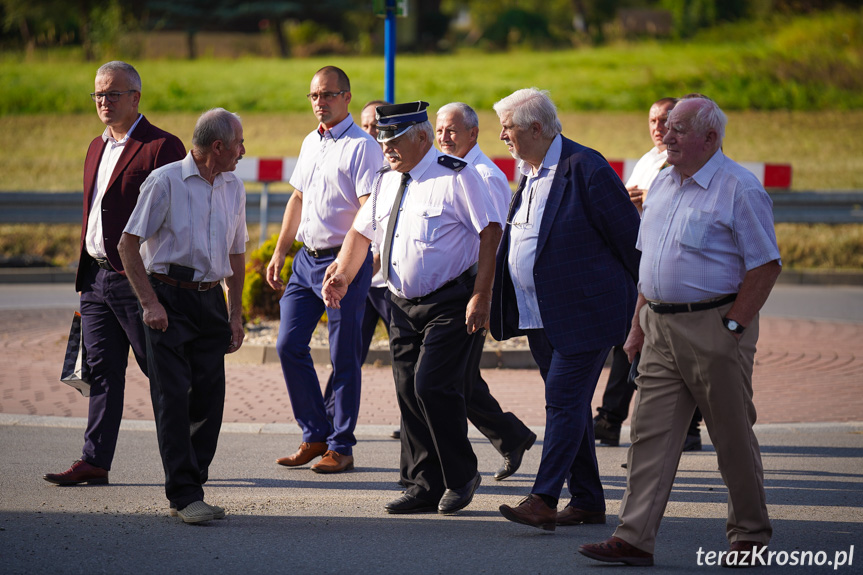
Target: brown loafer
(80, 472)
(574, 516)
(744, 554)
(532, 511)
(304, 454)
(616, 550)
(334, 462)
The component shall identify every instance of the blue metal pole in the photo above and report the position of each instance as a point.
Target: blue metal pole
(390, 52)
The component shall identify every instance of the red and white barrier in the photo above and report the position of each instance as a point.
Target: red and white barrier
(280, 170)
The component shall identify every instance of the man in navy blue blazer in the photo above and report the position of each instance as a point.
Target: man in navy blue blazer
(566, 278)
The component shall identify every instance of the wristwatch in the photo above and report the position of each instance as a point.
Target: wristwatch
(732, 325)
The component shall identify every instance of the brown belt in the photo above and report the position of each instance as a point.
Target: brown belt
(197, 286)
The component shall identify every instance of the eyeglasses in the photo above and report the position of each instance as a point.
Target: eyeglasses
(110, 96)
(313, 97)
(526, 224)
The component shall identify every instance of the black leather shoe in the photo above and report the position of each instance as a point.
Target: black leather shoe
(693, 442)
(396, 434)
(512, 461)
(409, 504)
(605, 432)
(454, 500)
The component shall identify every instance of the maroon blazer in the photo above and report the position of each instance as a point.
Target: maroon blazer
(148, 148)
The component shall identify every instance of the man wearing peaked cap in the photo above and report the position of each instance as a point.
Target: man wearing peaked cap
(438, 233)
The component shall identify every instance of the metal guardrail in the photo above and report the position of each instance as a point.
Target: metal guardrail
(829, 207)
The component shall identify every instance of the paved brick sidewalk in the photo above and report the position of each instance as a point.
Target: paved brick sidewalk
(806, 371)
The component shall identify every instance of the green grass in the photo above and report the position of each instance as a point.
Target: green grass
(805, 63)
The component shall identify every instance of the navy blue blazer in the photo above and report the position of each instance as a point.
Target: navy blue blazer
(586, 268)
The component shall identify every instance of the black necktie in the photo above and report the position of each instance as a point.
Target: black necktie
(391, 227)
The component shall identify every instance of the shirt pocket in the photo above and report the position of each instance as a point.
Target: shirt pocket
(695, 229)
(425, 223)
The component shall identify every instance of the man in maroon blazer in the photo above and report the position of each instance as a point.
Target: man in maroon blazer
(117, 164)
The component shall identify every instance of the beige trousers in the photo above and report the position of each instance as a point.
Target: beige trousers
(691, 359)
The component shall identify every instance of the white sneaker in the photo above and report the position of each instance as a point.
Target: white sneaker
(197, 512)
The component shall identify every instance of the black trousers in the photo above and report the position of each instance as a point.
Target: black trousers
(503, 429)
(433, 360)
(187, 385)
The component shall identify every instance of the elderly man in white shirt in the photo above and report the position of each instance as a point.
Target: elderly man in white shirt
(456, 131)
(437, 232)
(332, 180)
(187, 234)
(709, 262)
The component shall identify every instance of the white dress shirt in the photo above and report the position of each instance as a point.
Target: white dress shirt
(335, 168)
(647, 168)
(495, 180)
(184, 220)
(524, 233)
(94, 238)
(437, 232)
(700, 236)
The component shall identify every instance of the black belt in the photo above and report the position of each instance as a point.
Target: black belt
(197, 286)
(324, 253)
(104, 264)
(465, 276)
(685, 307)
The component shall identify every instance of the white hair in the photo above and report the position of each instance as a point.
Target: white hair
(530, 105)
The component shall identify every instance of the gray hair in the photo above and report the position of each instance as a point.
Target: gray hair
(120, 66)
(708, 116)
(215, 124)
(530, 105)
(467, 113)
(417, 129)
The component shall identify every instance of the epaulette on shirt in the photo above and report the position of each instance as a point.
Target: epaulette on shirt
(451, 162)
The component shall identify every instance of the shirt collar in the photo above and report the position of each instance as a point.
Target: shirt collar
(338, 130)
(474, 155)
(106, 135)
(428, 160)
(703, 176)
(190, 168)
(549, 162)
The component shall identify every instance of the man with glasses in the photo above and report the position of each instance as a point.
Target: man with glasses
(116, 165)
(333, 177)
(566, 278)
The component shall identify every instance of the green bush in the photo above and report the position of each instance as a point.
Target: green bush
(259, 299)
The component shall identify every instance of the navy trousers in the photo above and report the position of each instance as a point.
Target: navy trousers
(187, 385)
(377, 308)
(111, 324)
(301, 308)
(432, 362)
(568, 450)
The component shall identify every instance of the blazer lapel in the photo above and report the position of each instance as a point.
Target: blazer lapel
(91, 167)
(555, 197)
(129, 150)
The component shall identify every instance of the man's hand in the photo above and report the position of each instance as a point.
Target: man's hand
(634, 342)
(330, 272)
(237, 335)
(155, 316)
(478, 312)
(334, 289)
(636, 195)
(274, 269)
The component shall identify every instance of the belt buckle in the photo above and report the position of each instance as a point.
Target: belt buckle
(201, 286)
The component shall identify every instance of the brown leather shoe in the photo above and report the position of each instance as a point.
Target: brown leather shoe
(80, 472)
(573, 516)
(744, 554)
(304, 454)
(616, 550)
(532, 511)
(334, 462)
